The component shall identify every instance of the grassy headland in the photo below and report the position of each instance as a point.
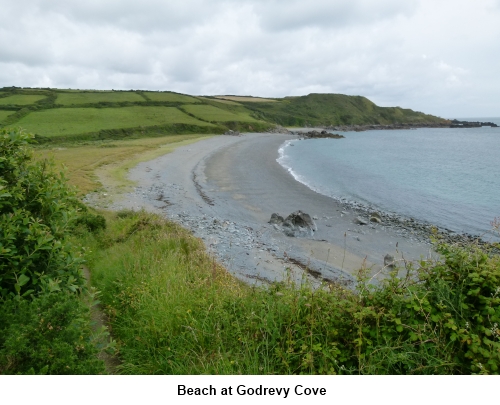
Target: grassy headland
(73, 115)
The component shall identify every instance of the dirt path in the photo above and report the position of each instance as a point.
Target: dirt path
(100, 320)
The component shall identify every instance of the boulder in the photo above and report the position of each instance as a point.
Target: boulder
(298, 223)
(276, 219)
(375, 217)
(360, 221)
(389, 261)
(231, 132)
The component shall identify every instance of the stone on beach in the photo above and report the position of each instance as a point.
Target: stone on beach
(298, 223)
(360, 221)
(276, 219)
(389, 261)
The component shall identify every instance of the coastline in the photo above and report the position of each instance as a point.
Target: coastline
(224, 189)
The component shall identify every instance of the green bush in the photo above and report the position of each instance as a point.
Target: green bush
(37, 212)
(47, 335)
(91, 222)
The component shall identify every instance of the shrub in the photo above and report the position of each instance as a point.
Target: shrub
(92, 222)
(37, 210)
(47, 335)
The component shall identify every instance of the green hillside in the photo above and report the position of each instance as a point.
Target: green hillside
(333, 109)
(65, 115)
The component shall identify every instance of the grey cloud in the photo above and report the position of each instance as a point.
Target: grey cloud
(278, 15)
(143, 16)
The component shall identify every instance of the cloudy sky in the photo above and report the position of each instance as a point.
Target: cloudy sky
(437, 56)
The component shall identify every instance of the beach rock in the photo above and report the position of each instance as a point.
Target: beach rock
(276, 219)
(322, 134)
(375, 217)
(297, 224)
(231, 132)
(389, 261)
(278, 129)
(360, 221)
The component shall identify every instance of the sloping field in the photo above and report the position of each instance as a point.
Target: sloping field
(247, 99)
(168, 96)
(214, 114)
(68, 121)
(4, 114)
(219, 100)
(20, 99)
(97, 97)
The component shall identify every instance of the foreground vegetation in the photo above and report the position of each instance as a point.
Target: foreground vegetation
(44, 316)
(174, 310)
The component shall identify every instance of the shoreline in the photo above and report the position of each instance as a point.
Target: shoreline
(224, 189)
(424, 229)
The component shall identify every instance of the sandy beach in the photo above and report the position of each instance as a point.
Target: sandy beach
(224, 189)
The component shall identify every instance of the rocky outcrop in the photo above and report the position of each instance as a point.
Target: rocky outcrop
(296, 224)
(323, 134)
(278, 129)
(359, 128)
(473, 124)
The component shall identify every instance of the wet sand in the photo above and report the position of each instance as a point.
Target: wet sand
(225, 189)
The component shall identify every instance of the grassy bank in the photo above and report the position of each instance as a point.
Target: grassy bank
(82, 160)
(174, 310)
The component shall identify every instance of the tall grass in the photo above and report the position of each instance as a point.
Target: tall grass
(174, 310)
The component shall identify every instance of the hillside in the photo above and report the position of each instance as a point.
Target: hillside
(332, 109)
(62, 115)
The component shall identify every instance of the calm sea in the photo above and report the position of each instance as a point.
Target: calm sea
(447, 177)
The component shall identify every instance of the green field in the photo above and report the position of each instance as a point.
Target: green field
(214, 114)
(97, 97)
(98, 113)
(248, 99)
(20, 99)
(219, 100)
(169, 97)
(4, 114)
(68, 121)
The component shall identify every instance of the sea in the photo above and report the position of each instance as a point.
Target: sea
(449, 177)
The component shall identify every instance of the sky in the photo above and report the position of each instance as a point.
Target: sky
(440, 57)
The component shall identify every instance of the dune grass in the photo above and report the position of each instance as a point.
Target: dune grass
(68, 121)
(21, 99)
(71, 98)
(214, 114)
(81, 161)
